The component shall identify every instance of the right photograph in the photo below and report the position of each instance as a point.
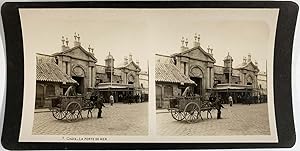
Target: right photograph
(215, 83)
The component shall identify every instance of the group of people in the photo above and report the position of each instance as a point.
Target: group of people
(131, 98)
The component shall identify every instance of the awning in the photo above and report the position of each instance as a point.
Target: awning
(232, 88)
(114, 87)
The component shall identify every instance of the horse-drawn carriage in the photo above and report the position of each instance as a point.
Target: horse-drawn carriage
(190, 108)
(70, 107)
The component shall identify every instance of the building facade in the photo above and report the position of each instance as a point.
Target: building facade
(74, 65)
(198, 65)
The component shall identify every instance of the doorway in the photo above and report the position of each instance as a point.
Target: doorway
(80, 87)
(198, 88)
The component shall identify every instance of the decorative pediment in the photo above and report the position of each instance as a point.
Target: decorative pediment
(132, 66)
(197, 53)
(250, 66)
(78, 52)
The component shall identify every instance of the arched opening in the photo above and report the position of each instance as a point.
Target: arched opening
(196, 75)
(78, 75)
(249, 80)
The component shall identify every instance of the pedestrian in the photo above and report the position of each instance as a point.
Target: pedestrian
(111, 100)
(230, 100)
(218, 107)
(99, 104)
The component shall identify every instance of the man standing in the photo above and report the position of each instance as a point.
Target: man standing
(218, 107)
(99, 105)
(111, 100)
(230, 100)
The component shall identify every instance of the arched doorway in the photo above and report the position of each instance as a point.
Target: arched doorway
(196, 75)
(249, 80)
(78, 75)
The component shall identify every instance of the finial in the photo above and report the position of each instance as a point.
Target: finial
(63, 40)
(186, 42)
(198, 37)
(228, 54)
(78, 37)
(208, 48)
(92, 50)
(182, 41)
(195, 37)
(67, 42)
(75, 36)
(89, 48)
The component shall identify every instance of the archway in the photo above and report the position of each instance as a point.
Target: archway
(196, 74)
(249, 80)
(78, 75)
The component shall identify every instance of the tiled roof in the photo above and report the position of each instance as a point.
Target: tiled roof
(170, 73)
(47, 70)
(218, 69)
(235, 72)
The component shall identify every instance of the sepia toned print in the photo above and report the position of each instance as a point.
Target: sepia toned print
(215, 100)
(148, 75)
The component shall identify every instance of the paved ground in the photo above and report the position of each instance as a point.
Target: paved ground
(120, 119)
(237, 120)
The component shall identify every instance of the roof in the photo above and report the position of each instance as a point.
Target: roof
(243, 65)
(198, 47)
(236, 72)
(130, 62)
(218, 69)
(81, 48)
(48, 71)
(170, 73)
(228, 57)
(109, 56)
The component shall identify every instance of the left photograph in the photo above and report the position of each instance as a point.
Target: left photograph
(89, 80)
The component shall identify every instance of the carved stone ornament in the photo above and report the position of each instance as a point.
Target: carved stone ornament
(78, 71)
(196, 72)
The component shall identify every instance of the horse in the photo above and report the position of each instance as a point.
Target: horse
(207, 107)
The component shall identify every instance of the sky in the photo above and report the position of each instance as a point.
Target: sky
(145, 32)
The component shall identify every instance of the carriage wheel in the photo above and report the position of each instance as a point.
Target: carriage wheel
(73, 111)
(192, 111)
(58, 113)
(177, 115)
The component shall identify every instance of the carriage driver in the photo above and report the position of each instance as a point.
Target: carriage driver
(99, 104)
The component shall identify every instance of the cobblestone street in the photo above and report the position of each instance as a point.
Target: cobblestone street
(237, 120)
(119, 119)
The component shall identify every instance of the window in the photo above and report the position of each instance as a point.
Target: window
(66, 67)
(168, 91)
(184, 68)
(50, 90)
